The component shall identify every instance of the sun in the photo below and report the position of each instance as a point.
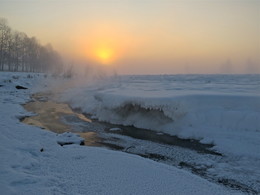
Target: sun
(105, 55)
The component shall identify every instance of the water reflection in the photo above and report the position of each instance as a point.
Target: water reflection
(50, 115)
(91, 139)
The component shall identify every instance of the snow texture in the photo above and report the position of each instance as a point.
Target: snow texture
(223, 110)
(220, 109)
(69, 138)
(33, 163)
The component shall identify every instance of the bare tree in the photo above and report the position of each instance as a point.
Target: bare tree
(18, 52)
(4, 37)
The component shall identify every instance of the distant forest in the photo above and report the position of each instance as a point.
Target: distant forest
(18, 52)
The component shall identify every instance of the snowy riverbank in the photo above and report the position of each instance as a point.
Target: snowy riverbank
(32, 162)
(223, 110)
(219, 109)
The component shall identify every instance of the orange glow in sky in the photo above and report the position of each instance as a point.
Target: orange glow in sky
(146, 37)
(104, 43)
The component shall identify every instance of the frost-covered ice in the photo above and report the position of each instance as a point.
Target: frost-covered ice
(219, 109)
(33, 163)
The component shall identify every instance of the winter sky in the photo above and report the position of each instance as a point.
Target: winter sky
(146, 36)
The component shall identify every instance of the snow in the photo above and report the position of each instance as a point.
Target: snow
(223, 110)
(32, 162)
(115, 129)
(219, 109)
(69, 138)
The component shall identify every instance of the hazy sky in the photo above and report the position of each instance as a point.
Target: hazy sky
(147, 36)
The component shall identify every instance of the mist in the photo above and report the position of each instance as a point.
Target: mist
(159, 37)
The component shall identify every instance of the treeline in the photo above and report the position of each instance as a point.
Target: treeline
(18, 52)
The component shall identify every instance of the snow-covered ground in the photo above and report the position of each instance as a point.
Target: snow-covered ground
(32, 162)
(219, 109)
(223, 110)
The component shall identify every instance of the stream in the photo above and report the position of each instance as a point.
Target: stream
(186, 154)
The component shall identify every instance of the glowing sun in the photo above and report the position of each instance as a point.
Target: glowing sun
(105, 55)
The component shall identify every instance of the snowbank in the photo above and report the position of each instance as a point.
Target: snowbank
(33, 163)
(219, 109)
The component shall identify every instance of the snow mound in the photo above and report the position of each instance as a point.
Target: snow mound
(68, 138)
(218, 109)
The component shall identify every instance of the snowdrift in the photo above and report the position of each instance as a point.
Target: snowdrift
(219, 109)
